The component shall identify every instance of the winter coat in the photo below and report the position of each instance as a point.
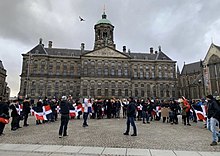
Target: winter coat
(213, 109)
(131, 109)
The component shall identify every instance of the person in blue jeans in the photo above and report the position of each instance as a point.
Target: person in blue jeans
(213, 115)
(131, 113)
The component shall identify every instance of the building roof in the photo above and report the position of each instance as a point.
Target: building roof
(104, 19)
(191, 68)
(1, 65)
(149, 56)
(218, 47)
(39, 49)
(65, 52)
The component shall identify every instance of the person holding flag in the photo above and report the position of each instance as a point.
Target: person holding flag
(185, 110)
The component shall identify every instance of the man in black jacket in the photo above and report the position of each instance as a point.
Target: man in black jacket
(4, 112)
(15, 116)
(26, 110)
(64, 111)
(213, 116)
(131, 113)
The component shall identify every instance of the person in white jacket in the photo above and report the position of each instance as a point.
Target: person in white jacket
(87, 109)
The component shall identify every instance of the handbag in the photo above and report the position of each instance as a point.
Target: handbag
(4, 121)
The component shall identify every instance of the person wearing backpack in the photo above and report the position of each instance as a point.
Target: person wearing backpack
(213, 116)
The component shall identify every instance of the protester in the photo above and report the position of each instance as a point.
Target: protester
(26, 110)
(174, 111)
(14, 115)
(165, 109)
(213, 119)
(185, 111)
(124, 107)
(87, 110)
(131, 113)
(64, 111)
(4, 114)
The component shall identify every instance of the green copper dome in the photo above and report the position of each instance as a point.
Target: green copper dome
(104, 19)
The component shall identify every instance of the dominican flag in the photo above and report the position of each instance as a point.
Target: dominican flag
(38, 113)
(57, 109)
(72, 113)
(139, 108)
(200, 112)
(19, 109)
(158, 110)
(47, 110)
(4, 121)
(79, 108)
(40, 116)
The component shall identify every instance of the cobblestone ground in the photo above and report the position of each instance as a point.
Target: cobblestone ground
(109, 133)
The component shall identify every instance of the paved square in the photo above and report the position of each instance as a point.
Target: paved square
(108, 133)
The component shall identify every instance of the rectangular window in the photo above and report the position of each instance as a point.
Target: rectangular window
(58, 68)
(135, 73)
(113, 72)
(99, 92)
(160, 75)
(99, 72)
(106, 92)
(119, 72)
(126, 92)
(106, 71)
(119, 92)
(85, 92)
(141, 74)
(147, 75)
(152, 75)
(113, 92)
(126, 72)
(71, 69)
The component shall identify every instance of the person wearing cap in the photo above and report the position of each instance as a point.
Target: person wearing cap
(131, 113)
(213, 115)
(64, 111)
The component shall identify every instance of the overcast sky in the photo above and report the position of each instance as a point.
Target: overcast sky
(183, 28)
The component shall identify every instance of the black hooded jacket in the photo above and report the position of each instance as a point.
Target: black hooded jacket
(213, 109)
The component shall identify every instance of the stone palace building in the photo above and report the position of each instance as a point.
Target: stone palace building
(103, 72)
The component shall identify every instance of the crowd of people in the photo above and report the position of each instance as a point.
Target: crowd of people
(47, 110)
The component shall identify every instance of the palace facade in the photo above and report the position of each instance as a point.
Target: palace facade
(103, 72)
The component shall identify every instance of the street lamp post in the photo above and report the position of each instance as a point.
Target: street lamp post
(199, 86)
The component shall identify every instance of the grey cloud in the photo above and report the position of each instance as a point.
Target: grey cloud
(182, 28)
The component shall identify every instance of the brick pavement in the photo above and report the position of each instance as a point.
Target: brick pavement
(108, 133)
